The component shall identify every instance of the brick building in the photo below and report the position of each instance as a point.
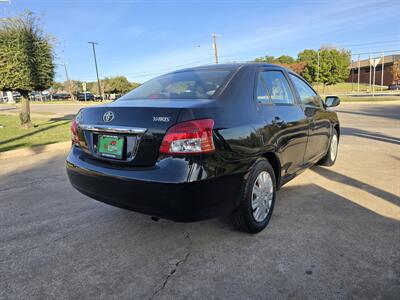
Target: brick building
(390, 71)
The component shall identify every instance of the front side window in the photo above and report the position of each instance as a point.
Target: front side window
(307, 94)
(191, 84)
(276, 87)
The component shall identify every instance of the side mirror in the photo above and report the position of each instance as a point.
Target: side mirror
(332, 101)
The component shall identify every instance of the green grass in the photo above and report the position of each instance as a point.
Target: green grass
(46, 131)
(369, 98)
(346, 88)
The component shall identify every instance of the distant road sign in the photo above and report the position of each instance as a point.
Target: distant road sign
(374, 61)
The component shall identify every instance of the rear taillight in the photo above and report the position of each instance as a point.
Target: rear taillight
(188, 137)
(74, 132)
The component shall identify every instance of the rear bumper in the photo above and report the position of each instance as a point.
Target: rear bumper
(175, 188)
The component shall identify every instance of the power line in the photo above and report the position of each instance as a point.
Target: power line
(376, 52)
(372, 43)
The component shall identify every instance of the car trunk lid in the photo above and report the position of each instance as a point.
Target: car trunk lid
(141, 124)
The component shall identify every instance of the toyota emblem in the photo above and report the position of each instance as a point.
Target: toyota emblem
(108, 116)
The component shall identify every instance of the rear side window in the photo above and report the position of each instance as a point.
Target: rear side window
(262, 93)
(191, 84)
(272, 87)
(307, 94)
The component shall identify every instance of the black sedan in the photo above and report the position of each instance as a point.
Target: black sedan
(61, 96)
(85, 96)
(204, 142)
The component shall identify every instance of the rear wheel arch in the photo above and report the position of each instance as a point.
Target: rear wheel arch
(276, 165)
(337, 127)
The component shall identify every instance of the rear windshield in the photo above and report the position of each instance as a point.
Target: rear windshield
(192, 84)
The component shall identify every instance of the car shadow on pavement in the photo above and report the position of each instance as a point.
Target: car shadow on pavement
(369, 135)
(382, 111)
(330, 174)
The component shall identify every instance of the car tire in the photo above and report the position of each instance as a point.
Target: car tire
(254, 212)
(330, 158)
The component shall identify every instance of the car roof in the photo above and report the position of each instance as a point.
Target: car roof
(230, 66)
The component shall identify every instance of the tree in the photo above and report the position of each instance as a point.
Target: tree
(75, 86)
(118, 85)
(297, 67)
(267, 59)
(310, 58)
(26, 59)
(285, 59)
(57, 86)
(333, 65)
(395, 71)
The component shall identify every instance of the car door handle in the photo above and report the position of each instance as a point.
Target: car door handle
(278, 122)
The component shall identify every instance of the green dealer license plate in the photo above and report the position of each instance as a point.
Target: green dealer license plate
(110, 146)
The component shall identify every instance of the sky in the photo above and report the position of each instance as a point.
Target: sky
(143, 39)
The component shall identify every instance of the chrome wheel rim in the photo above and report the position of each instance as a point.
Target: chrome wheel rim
(262, 195)
(334, 147)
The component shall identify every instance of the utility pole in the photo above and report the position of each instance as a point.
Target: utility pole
(370, 74)
(352, 76)
(373, 81)
(214, 35)
(97, 70)
(383, 64)
(69, 81)
(318, 70)
(358, 75)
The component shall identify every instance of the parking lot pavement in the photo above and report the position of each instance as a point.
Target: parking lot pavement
(335, 233)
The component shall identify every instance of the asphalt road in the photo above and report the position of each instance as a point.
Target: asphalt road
(335, 233)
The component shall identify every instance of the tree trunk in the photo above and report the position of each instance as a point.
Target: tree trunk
(25, 114)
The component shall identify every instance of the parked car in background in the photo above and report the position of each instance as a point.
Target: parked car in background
(60, 96)
(3, 97)
(16, 96)
(204, 142)
(85, 96)
(39, 96)
(394, 87)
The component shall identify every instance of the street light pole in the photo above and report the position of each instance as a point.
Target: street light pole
(97, 70)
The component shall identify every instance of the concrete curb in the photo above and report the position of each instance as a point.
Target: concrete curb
(35, 150)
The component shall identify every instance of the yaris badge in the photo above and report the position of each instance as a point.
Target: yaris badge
(108, 116)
